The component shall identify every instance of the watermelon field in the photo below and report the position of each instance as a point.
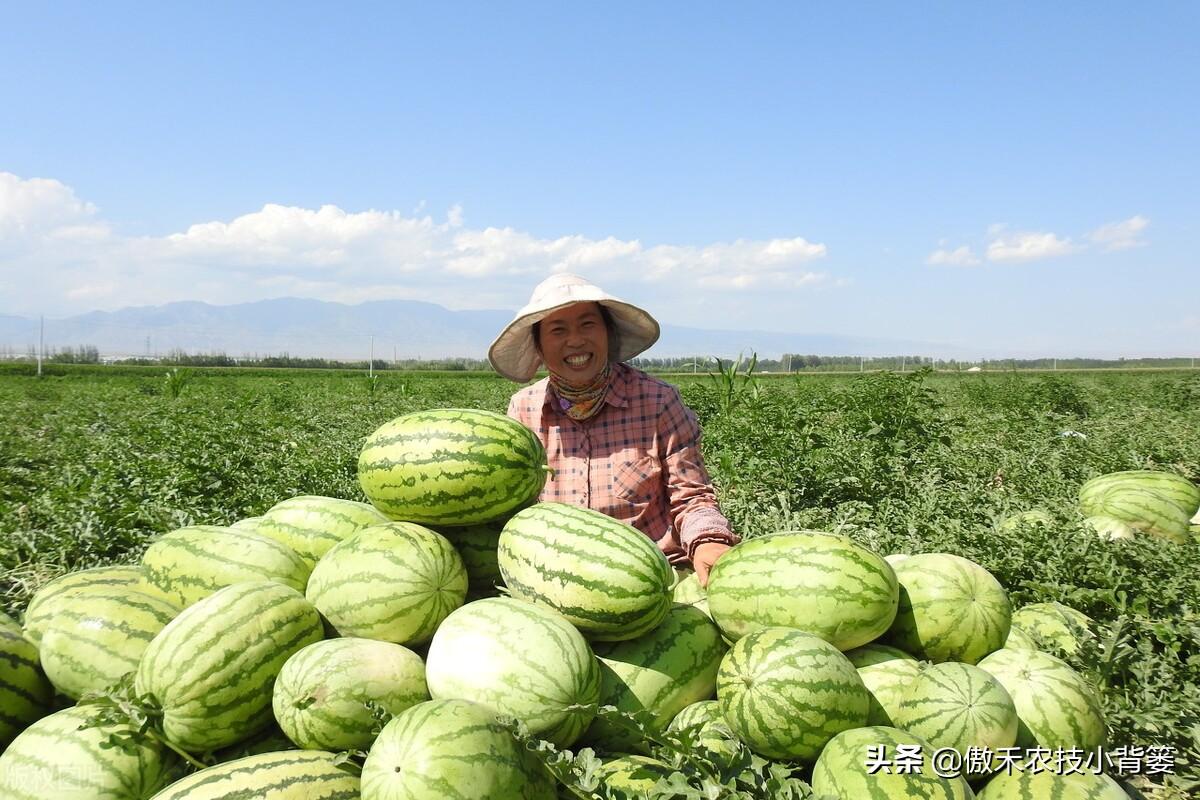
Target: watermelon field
(985, 470)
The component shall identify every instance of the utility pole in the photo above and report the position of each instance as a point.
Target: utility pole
(861, 360)
(41, 341)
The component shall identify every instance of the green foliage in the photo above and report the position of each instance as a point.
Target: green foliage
(734, 383)
(176, 380)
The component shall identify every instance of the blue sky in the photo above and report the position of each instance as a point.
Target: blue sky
(1015, 178)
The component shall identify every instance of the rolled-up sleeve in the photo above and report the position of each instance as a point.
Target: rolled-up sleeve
(694, 512)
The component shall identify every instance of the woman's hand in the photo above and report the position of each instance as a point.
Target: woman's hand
(704, 557)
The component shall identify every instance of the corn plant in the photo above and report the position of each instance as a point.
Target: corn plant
(733, 384)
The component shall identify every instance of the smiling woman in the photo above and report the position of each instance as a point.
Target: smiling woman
(620, 441)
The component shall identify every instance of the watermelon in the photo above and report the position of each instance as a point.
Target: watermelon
(1054, 623)
(1020, 640)
(25, 693)
(519, 659)
(635, 775)
(842, 771)
(395, 582)
(56, 758)
(290, 775)
(1143, 510)
(452, 466)
(887, 673)
(247, 524)
(476, 545)
(1035, 518)
(895, 558)
(97, 636)
(608, 578)
(311, 524)
(451, 749)
(688, 591)
(1110, 528)
(1055, 706)
(820, 583)
(212, 669)
(959, 706)
(658, 674)
(1175, 488)
(189, 564)
(785, 693)
(321, 695)
(711, 728)
(1027, 784)
(43, 605)
(951, 609)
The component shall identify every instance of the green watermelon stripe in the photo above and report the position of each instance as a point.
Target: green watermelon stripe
(948, 708)
(294, 768)
(537, 530)
(52, 743)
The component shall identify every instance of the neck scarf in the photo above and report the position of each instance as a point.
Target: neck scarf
(582, 402)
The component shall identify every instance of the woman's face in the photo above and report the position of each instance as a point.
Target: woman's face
(574, 342)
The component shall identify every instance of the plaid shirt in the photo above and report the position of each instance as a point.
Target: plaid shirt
(637, 460)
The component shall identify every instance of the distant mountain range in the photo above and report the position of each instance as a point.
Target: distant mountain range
(401, 328)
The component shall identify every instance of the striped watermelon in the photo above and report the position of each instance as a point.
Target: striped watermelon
(477, 544)
(1175, 488)
(842, 770)
(689, 592)
(189, 564)
(658, 673)
(395, 582)
(56, 758)
(321, 695)
(1056, 707)
(713, 731)
(1019, 640)
(1143, 510)
(519, 659)
(959, 706)
(951, 609)
(25, 693)
(311, 524)
(42, 606)
(290, 775)
(608, 578)
(1035, 518)
(247, 524)
(1027, 785)
(817, 582)
(451, 750)
(887, 673)
(636, 776)
(1110, 528)
(213, 667)
(785, 693)
(97, 636)
(1054, 623)
(452, 466)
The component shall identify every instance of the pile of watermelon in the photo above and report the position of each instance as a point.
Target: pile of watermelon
(1121, 505)
(412, 628)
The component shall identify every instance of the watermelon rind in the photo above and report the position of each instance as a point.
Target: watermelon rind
(289, 775)
(213, 668)
(634, 775)
(57, 758)
(1056, 706)
(311, 524)
(824, 584)
(1174, 488)
(1058, 625)
(951, 609)
(518, 659)
(1025, 784)
(1144, 510)
(608, 578)
(25, 692)
(657, 674)
(887, 673)
(451, 749)
(394, 582)
(477, 545)
(324, 694)
(452, 466)
(786, 693)
(842, 770)
(43, 605)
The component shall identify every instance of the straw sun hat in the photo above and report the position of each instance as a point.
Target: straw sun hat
(514, 354)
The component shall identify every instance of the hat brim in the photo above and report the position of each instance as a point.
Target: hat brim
(514, 354)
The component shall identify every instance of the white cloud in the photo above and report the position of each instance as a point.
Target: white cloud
(1120, 235)
(958, 257)
(63, 256)
(1020, 247)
